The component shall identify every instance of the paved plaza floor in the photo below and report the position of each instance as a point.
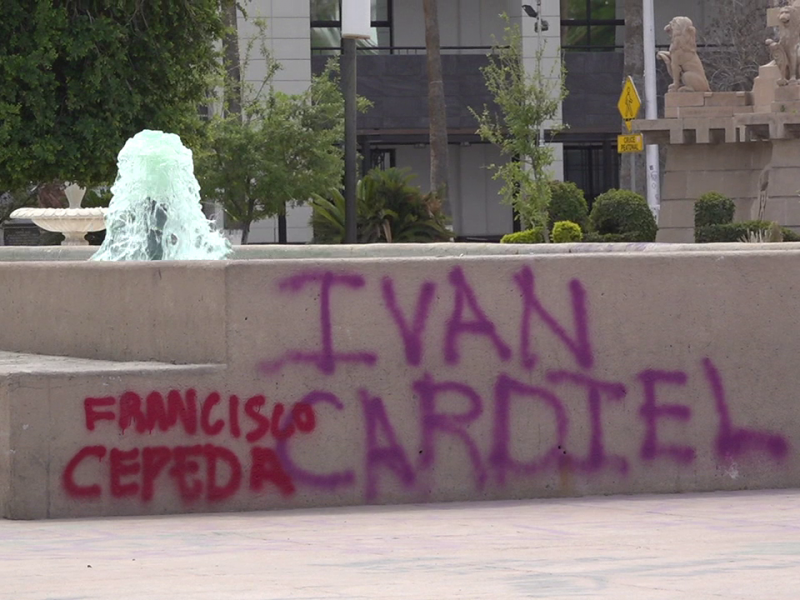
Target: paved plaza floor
(698, 546)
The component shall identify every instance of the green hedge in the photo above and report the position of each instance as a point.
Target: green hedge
(610, 238)
(567, 203)
(565, 232)
(529, 236)
(624, 213)
(713, 208)
(734, 232)
(790, 235)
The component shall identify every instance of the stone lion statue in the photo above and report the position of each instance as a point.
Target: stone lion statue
(688, 74)
(784, 50)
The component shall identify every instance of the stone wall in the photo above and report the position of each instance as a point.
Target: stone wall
(20, 234)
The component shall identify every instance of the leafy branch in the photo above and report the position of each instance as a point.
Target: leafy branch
(526, 102)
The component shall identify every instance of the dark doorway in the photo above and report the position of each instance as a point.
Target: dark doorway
(592, 167)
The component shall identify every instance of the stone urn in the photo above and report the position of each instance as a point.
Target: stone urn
(74, 222)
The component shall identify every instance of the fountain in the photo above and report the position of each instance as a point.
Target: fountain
(74, 222)
(156, 212)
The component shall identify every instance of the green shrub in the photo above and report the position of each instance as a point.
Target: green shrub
(624, 213)
(610, 238)
(97, 198)
(389, 209)
(713, 208)
(790, 236)
(529, 236)
(567, 203)
(735, 232)
(565, 232)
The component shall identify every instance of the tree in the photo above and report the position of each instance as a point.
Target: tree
(527, 102)
(82, 76)
(633, 172)
(281, 149)
(11, 201)
(735, 43)
(437, 109)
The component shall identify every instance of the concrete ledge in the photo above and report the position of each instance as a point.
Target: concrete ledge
(171, 313)
(39, 396)
(10, 254)
(401, 379)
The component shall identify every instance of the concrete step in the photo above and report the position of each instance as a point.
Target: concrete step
(54, 408)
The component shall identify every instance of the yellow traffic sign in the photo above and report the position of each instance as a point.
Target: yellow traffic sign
(630, 143)
(629, 102)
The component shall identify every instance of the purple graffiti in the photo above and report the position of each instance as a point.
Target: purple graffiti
(392, 455)
(412, 337)
(651, 411)
(328, 481)
(480, 325)
(504, 390)
(580, 346)
(326, 359)
(734, 441)
(615, 391)
(451, 423)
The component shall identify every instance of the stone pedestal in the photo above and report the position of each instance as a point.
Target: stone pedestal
(726, 142)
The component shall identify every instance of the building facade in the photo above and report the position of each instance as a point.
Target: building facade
(589, 34)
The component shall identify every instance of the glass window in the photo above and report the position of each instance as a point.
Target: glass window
(588, 25)
(325, 10)
(593, 167)
(326, 25)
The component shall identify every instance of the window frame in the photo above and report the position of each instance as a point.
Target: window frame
(589, 23)
(374, 24)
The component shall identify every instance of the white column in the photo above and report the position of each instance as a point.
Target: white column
(650, 105)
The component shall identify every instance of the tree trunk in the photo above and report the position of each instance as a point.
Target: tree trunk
(245, 232)
(437, 111)
(51, 195)
(632, 166)
(231, 59)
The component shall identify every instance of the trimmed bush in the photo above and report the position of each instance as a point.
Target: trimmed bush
(610, 238)
(567, 203)
(565, 232)
(529, 236)
(624, 213)
(713, 208)
(735, 232)
(790, 236)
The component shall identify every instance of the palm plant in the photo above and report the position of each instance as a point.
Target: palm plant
(389, 209)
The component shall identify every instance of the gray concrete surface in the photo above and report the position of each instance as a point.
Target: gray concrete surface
(693, 547)
(399, 380)
(314, 251)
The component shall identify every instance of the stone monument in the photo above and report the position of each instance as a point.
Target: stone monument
(745, 145)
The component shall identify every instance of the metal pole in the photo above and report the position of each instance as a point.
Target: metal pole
(650, 105)
(350, 115)
(539, 22)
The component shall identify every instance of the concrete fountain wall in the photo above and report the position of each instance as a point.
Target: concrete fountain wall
(149, 388)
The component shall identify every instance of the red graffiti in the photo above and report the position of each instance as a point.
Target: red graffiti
(181, 410)
(200, 472)
(207, 472)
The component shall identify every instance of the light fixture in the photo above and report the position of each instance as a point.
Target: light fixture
(356, 19)
(534, 14)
